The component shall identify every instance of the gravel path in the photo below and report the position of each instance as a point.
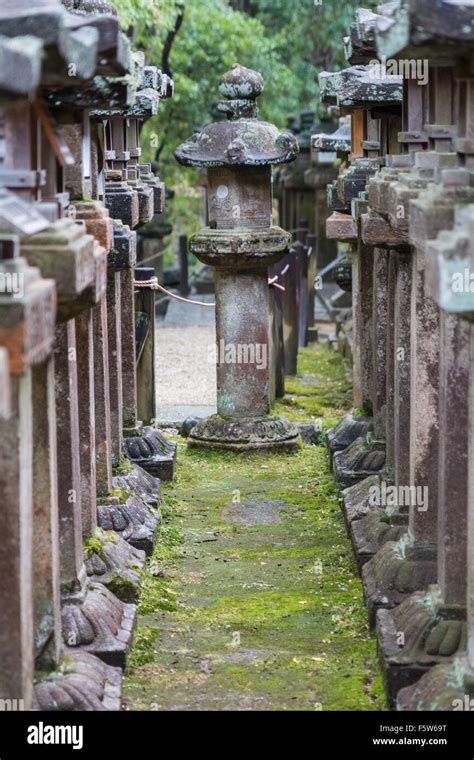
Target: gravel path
(186, 373)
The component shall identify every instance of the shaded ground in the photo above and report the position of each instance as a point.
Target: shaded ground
(251, 600)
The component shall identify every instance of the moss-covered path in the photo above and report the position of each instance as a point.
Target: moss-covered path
(251, 600)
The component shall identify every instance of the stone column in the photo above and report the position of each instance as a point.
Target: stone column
(434, 621)
(241, 244)
(46, 579)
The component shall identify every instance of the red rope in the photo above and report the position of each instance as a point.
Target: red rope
(153, 284)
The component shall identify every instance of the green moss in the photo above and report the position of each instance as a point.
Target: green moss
(95, 544)
(143, 647)
(319, 390)
(256, 615)
(119, 493)
(123, 588)
(123, 466)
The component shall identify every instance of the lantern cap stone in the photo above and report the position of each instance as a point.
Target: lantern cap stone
(242, 140)
(241, 83)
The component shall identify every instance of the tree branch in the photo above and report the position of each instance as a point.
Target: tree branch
(171, 36)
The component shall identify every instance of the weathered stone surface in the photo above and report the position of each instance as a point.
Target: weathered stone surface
(445, 687)
(81, 683)
(353, 180)
(347, 430)
(138, 481)
(20, 65)
(416, 635)
(158, 187)
(370, 532)
(357, 87)
(133, 519)
(356, 500)
(153, 452)
(188, 425)
(122, 202)
(310, 432)
(341, 227)
(396, 571)
(240, 249)
(66, 253)
(99, 623)
(113, 562)
(362, 458)
(337, 142)
(97, 220)
(239, 141)
(412, 28)
(360, 44)
(66, 40)
(123, 253)
(244, 435)
(377, 231)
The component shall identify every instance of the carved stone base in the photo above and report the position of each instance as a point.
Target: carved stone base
(446, 687)
(358, 461)
(112, 561)
(82, 682)
(395, 572)
(153, 452)
(138, 481)
(134, 520)
(371, 532)
(419, 633)
(99, 623)
(356, 500)
(346, 431)
(267, 433)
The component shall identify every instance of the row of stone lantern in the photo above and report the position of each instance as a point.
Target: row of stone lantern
(79, 516)
(406, 456)
(300, 189)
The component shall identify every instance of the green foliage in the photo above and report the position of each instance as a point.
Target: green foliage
(212, 39)
(288, 42)
(147, 17)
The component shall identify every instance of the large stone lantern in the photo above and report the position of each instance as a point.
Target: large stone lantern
(241, 243)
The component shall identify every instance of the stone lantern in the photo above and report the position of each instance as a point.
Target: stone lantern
(241, 243)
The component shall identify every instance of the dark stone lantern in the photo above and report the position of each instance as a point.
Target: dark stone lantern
(241, 243)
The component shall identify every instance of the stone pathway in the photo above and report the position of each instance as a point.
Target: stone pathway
(251, 600)
(185, 369)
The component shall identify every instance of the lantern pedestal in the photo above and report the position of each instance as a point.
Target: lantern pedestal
(241, 259)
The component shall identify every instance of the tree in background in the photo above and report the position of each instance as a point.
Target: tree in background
(288, 41)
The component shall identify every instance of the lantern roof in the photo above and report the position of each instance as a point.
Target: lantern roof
(241, 140)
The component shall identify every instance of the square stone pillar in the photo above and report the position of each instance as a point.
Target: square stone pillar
(46, 560)
(16, 584)
(26, 331)
(402, 365)
(424, 420)
(115, 362)
(128, 350)
(379, 324)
